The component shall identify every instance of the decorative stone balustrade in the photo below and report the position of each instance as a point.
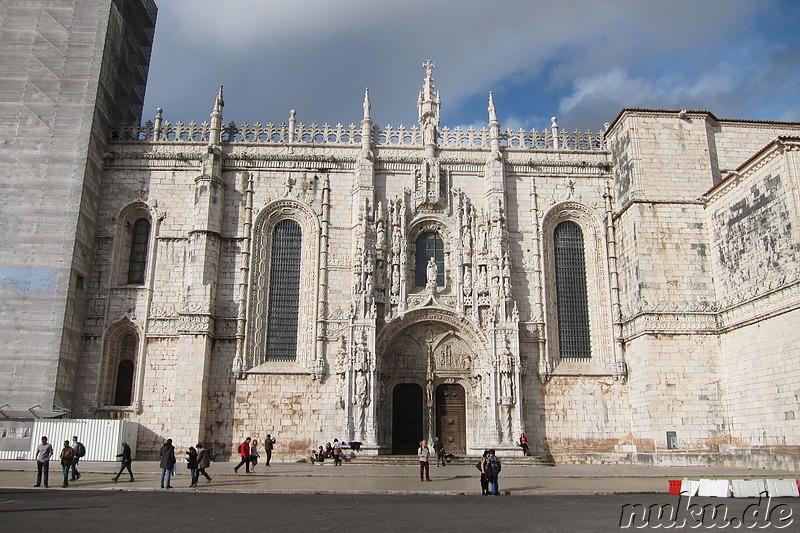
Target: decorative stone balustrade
(326, 134)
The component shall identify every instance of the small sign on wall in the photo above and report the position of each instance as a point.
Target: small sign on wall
(672, 440)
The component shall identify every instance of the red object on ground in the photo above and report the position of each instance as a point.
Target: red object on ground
(675, 486)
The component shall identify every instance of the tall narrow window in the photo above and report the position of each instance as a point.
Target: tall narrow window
(138, 259)
(429, 245)
(284, 292)
(123, 390)
(573, 306)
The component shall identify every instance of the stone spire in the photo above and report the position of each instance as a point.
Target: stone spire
(215, 132)
(428, 106)
(366, 127)
(494, 127)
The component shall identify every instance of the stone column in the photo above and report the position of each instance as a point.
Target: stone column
(196, 327)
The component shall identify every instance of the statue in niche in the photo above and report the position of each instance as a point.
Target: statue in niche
(395, 279)
(432, 271)
(340, 365)
(380, 241)
(482, 278)
(396, 238)
(467, 280)
(506, 276)
(506, 371)
(483, 244)
(368, 285)
(467, 240)
(361, 400)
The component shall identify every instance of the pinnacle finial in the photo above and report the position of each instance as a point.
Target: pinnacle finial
(367, 104)
(492, 110)
(219, 103)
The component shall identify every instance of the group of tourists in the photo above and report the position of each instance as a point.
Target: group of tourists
(248, 451)
(70, 455)
(198, 459)
(331, 451)
(488, 465)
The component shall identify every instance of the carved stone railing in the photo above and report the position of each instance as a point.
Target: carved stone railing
(351, 135)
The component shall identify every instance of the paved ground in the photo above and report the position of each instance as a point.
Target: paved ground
(179, 511)
(299, 478)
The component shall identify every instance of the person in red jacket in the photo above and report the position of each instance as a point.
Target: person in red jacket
(244, 453)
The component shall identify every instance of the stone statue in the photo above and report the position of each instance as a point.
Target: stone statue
(432, 272)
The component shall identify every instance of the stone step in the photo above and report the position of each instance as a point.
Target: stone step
(405, 460)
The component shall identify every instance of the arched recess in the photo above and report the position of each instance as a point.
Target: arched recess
(429, 348)
(120, 362)
(258, 301)
(419, 227)
(132, 241)
(597, 281)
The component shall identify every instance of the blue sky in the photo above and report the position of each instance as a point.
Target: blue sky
(580, 60)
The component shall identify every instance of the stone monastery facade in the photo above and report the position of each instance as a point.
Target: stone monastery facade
(629, 295)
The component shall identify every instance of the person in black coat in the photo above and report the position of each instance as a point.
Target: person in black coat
(191, 464)
(167, 454)
(126, 461)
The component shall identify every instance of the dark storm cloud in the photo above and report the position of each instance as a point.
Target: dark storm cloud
(583, 60)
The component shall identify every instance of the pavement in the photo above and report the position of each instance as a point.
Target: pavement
(354, 478)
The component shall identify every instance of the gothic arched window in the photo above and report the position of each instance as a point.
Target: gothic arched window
(123, 383)
(138, 258)
(284, 291)
(571, 294)
(429, 245)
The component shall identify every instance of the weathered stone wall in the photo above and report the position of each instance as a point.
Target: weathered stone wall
(585, 413)
(676, 385)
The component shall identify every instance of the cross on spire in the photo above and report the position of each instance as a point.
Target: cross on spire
(429, 66)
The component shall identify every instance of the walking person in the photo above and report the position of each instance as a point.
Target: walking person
(191, 464)
(481, 466)
(67, 456)
(438, 447)
(337, 453)
(253, 455)
(125, 461)
(80, 451)
(203, 461)
(244, 453)
(167, 454)
(44, 452)
(424, 454)
(268, 445)
(494, 466)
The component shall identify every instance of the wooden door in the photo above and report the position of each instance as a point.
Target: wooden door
(451, 418)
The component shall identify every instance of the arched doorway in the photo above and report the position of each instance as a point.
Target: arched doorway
(406, 418)
(451, 423)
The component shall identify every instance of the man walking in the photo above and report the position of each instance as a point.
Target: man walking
(79, 450)
(438, 447)
(43, 454)
(67, 457)
(268, 444)
(244, 453)
(167, 454)
(494, 466)
(424, 454)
